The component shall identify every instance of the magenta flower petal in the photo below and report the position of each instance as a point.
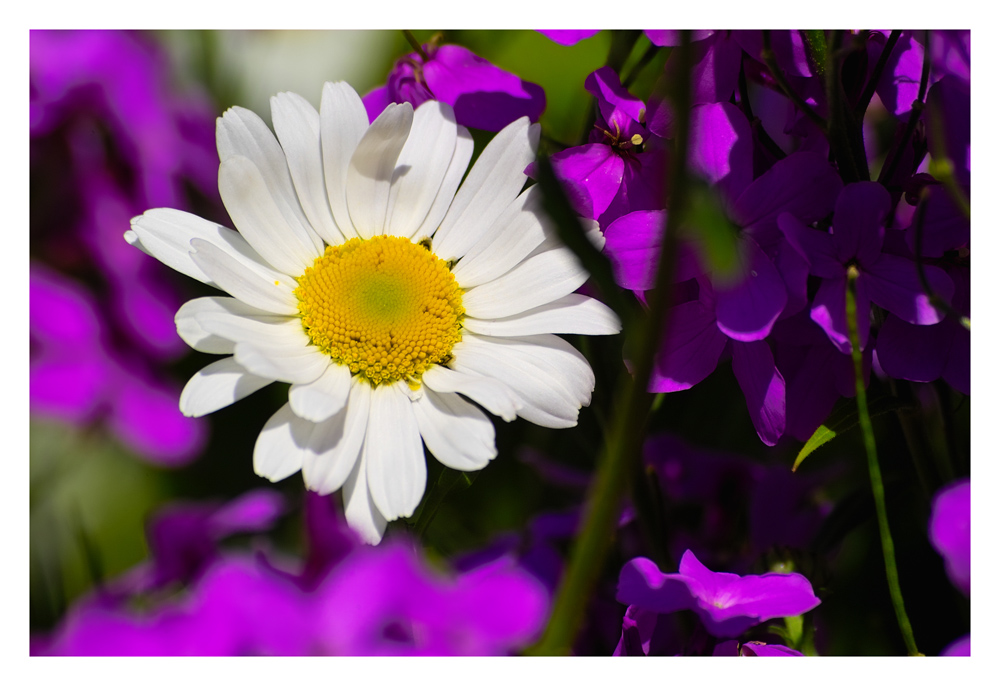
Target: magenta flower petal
(911, 352)
(376, 101)
(857, 221)
(616, 104)
(893, 283)
(829, 310)
(594, 169)
(568, 36)
(747, 310)
(804, 184)
(483, 95)
(691, 350)
(817, 247)
(642, 584)
(632, 244)
(721, 148)
(950, 531)
(763, 387)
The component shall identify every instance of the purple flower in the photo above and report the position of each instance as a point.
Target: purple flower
(728, 604)
(384, 601)
(950, 531)
(349, 599)
(483, 95)
(76, 379)
(753, 649)
(614, 173)
(856, 240)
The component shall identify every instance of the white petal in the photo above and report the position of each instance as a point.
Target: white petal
(335, 453)
(278, 332)
(195, 335)
(421, 168)
(343, 121)
(456, 432)
(324, 397)
(370, 173)
(573, 313)
(397, 472)
(536, 281)
(490, 393)
(456, 171)
(296, 123)
(359, 508)
(492, 184)
(166, 235)
(281, 445)
(241, 133)
(282, 364)
(551, 379)
(280, 237)
(256, 286)
(218, 385)
(513, 236)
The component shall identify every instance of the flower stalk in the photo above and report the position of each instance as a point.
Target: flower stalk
(620, 458)
(875, 474)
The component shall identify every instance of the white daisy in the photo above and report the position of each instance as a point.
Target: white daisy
(362, 278)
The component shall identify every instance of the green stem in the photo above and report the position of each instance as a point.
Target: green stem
(621, 458)
(878, 491)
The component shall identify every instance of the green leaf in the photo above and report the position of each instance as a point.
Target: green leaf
(843, 418)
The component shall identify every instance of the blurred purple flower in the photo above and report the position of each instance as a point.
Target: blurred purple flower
(728, 604)
(950, 531)
(483, 95)
(349, 599)
(385, 601)
(961, 647)
(108, 139)
(568, 36)
(76, 379)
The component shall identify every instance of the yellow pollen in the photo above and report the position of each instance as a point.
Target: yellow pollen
(385, 307)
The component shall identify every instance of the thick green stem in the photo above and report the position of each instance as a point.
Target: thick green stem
(620, 459)
(878, 491)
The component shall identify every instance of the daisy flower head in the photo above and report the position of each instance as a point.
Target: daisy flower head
(384, 293)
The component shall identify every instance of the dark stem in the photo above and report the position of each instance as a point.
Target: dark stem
(911, 123)
(646, 58)
(768, 58)
(415, 44)
(866, 95)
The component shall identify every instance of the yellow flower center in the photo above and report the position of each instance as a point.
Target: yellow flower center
(385, 307)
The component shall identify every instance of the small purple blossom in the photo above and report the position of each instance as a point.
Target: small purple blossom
(960, 647)
(483, 95)
(728, 604)
(950, 531)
